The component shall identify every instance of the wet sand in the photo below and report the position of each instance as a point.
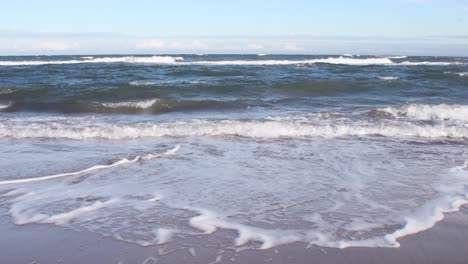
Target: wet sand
(445, 243)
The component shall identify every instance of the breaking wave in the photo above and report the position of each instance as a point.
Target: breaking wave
(128, 59)
(344, 60)
(429, 112)
(398, 57)
(4, 105)
(131, 104)
(388, 78)
(331, 60)
(81, 129)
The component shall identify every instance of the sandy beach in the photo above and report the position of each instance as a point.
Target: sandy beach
(445, 243)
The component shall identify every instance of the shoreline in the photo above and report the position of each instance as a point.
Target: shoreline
(444, 243)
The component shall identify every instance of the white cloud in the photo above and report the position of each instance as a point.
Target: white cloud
(291, 46)
(59, 45)
(194, 45)
(12, 43)
(151, 44)
(255, 46)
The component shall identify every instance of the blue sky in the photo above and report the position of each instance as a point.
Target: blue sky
(431, 27)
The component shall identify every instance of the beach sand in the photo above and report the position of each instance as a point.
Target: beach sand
(445, 243)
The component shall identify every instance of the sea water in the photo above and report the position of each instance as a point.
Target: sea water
(333, 151)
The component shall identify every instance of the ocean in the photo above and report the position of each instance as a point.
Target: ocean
(333, 151)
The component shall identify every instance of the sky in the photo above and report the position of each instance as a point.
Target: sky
(397, 27)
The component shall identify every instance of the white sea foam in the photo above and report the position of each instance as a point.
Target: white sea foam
(398, 57)
(209, 222)
(253, 129)
(388, 78)
(132, 59)
(128, 59)
(60, 218)
(428, 63)
(131, 104)
(340, 212)
(4, 105)
(454, 195)
(345, 60)
(461, 74)
(141, 83)
(164, 235)
(94, 168)
(331, 60)
(430, 112)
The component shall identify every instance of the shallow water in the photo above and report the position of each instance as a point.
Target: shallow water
(328, 150)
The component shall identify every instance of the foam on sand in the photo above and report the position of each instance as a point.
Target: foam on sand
(278, 211)
(454, 196)
(94, 168)
(209, 222)
(61, 218)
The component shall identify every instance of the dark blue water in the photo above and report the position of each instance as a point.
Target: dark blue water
(330, 150)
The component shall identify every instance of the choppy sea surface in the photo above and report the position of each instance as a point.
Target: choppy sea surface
(334, 151)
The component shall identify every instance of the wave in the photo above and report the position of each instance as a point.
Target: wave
(461, 74)
(331, 60)
(82, 129)
(131, 104)
(428, 63)
(344, 60)
(145, 106)
(127, 59)
(388, 78)
(141, 83)
(7, 91)
(94, 168)
(429, 112)
(4, 106)
(398, 57)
